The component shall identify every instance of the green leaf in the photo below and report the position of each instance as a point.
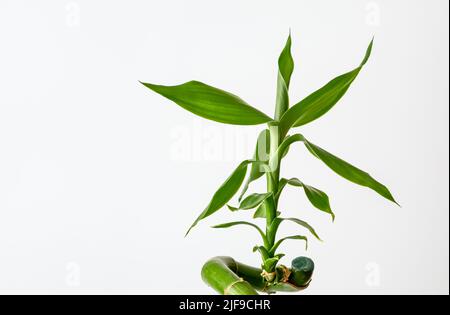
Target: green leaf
(295, 182)
(304, 224)
(262, 153)
(261, 211)
(321, 101)
(285, 69)
(211, 103)
(348, 171)
(282, 149)
(225, 192)
(251, 202)
(318, 198)
(284, 181)
(338, 165)
(270, 263)
(230, 224)
(282, 99)
(263, 252)
(286, 62)
(295, 237)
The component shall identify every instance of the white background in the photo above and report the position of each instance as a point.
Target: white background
(100, 178)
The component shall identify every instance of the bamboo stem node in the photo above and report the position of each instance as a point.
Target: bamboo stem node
(227, 289)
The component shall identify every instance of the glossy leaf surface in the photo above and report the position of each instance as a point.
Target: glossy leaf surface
(225, 192)
(349, 171)
(285, 69)
(251, 202)
(211, 103)
(321, 101)
(303, 224)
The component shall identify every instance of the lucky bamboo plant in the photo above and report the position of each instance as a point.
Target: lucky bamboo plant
(224, 274)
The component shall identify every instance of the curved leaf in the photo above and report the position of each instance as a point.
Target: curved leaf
(262, 250)
(286, 62)
(251, 202)
(304, 224)
(295, 237)
(261, 211)
(282, 149)
(230, 224)
(318, 198)
(284, 181)
(285, 69)
(211, 103)
(321, 101)
(339, 166)
(225, 192)
(348, 171)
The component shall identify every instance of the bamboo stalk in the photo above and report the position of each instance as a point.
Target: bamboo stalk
(229, 277)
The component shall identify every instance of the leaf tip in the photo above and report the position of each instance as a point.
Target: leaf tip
(189, 230)
(333, 217)
(368, 52)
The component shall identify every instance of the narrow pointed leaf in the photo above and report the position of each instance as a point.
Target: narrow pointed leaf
(282, 100)
(286, 62)
(318, 198)
(251, 201)
(304, 224)
(338, 165)
(349, 171)
(282, 149)
(295, 237)
(262, 152)
(295, 182)
(211, 103)
(272, 229)
(231, 224)
(321, 101)
(263, 251)
(283, 182)
(225, 192)
(261, 211)
(285, 69)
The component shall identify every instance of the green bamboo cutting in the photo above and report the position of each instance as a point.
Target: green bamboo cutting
(224, 274)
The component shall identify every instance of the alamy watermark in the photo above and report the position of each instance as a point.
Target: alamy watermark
(373, 14)
(73, 275)
(373, 274)
(73, 15)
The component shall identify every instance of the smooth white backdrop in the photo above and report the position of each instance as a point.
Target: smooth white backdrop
(100, 178)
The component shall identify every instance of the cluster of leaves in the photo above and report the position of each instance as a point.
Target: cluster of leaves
(217, 105)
